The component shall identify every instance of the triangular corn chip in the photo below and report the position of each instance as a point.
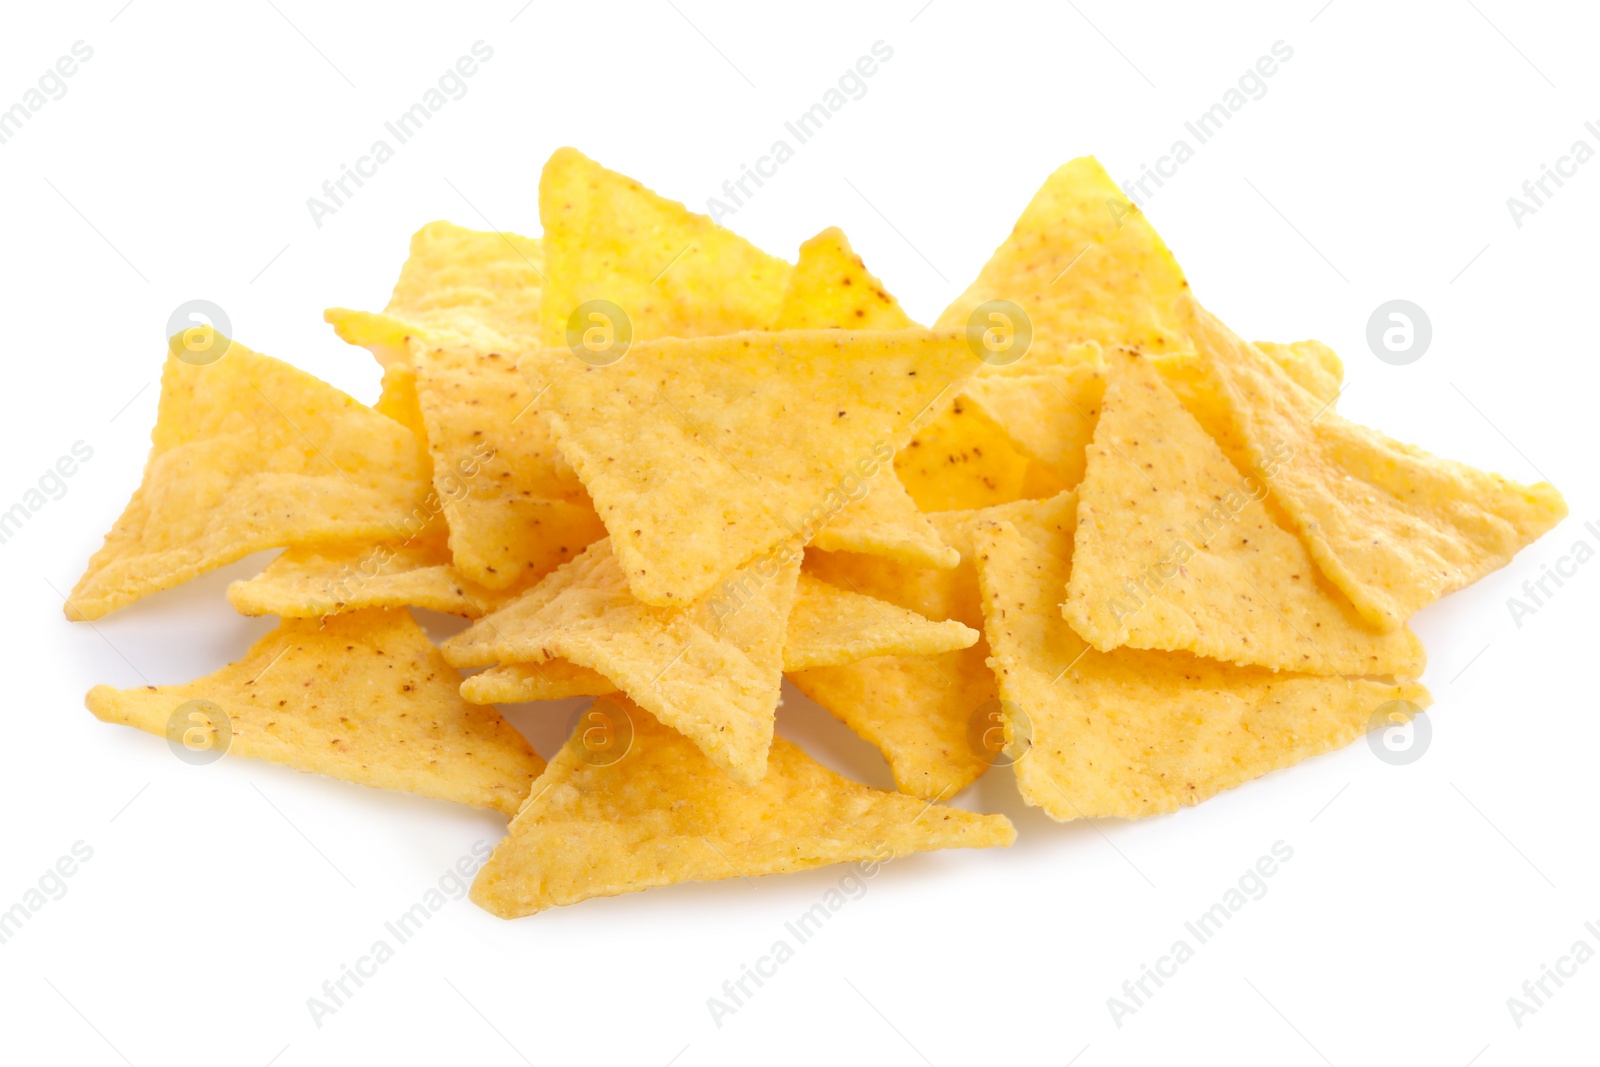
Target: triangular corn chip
(313, 580)
(701, 454)
(831, 289)
(1132, 733)
(514, 507)
(712, 672)
(455, 281)
(1048, 417)
(1392, 526)
(827, 626)
(1175, 551)
(1314, 366)
(663, 814)
(517, 683)
(1084, 265)
(886, 522)
(364, 697)
(960, 461)
(672, 272)
(247, 454)
(917, 710)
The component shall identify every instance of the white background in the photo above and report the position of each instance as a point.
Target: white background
(1376, 166)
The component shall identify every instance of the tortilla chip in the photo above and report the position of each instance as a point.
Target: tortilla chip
(314, 580)
(495, 277)
(663, 814)
(514, 507)
(364, 697)
(1048, 417)
(1392, 526)
(247, 454)
(712, 672)
(1085, 265)
(703, 454)
(1132, 733)
(672, 272)
(518, 683)
(830, 625)
(826, 626)
(386, 337)
(466, 286)
(886, 522)
(1314, 366)
(917, 710)
(398, 400)
(831, 289)
(962, 460)
(1175, 551)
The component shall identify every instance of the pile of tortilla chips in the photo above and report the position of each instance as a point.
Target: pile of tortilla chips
(1077, 528)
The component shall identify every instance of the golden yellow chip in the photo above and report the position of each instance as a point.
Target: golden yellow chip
(1048, 417)
(459, 285)
(712, 671)
(961, 460)
(247, 454)
(1314, 366)
(514, 507)
(826, 626)
(701, 454)
(312, 580)
(1084, 265)
(1133, 733)
(1176, 551)
(495, 278)
(919, 711)
(1392, 526)
(831, 289)
(672, 273)
(886, 522)
(517, 683)
(364, 697)
(599, 823)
